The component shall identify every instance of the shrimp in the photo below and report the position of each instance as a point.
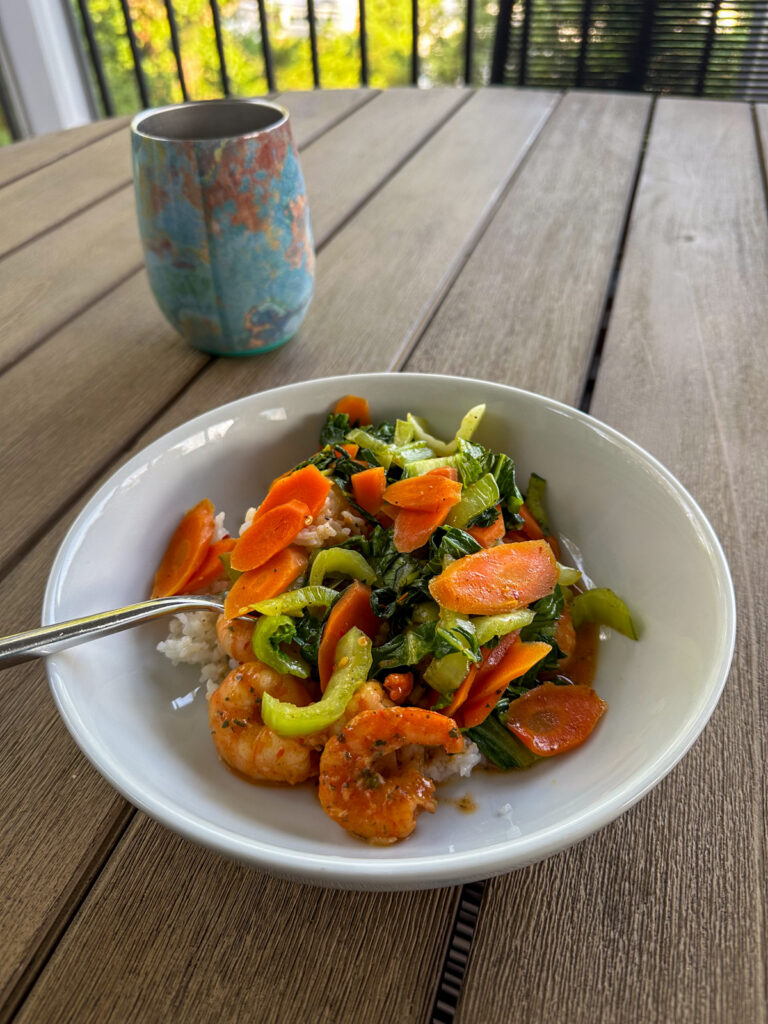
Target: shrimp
(369, 697)
(234, 636)
(363, 785)
(240, 736)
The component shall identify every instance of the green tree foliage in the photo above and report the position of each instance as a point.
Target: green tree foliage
(388, 35)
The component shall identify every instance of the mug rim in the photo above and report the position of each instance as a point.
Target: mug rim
(143, 115)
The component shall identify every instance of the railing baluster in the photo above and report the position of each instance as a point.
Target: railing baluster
(414, 42)
(8, 113)
(141, 81)
(220, 46)
(524, 38)
(93, 53)
(586, 20)
(501, 41)
(363, 45)
(707, 52)
(175, 46)
(313, 42)
(265, 48)
(643, 43)
(468, 41)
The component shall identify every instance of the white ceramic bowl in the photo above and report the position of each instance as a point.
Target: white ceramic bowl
(143, 723)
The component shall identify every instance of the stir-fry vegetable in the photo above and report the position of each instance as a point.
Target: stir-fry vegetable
(395, 568)
(352, 659)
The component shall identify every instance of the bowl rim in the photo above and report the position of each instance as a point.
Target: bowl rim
(426, 871)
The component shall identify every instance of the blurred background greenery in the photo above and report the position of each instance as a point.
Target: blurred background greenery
(388, 34)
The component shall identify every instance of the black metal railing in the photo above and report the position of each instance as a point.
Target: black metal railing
(693, 47)
(714, 48)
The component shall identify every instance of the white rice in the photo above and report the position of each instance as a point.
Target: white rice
(219, 530)
(192, 640)
(334, 523)
(441, 766)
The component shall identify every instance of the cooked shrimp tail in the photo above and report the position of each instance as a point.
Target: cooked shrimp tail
(363, 785)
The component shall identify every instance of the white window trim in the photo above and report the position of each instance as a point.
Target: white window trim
(42, 66)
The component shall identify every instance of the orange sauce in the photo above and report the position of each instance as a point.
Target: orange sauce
(465, 803)
(581, 666)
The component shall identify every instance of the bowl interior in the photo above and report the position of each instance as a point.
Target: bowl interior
(144, 723)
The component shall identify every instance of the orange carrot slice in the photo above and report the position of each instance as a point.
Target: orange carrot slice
(497, 579)
(489, 535)
(356, 408)
(447, 471)
(268, 534)
(460, 695)
(267, 581)
(565, 634)
(427, 493)
(531, 528)
(353, 608)
(368, 488)
(186, 551)
(552, 719)
(398, 686)
(490, 685)
(211, 568)
(413, 529)
(307, 484)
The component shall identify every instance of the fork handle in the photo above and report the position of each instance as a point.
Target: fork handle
(37, 643)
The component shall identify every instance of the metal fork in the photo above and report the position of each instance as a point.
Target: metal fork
(37, 643)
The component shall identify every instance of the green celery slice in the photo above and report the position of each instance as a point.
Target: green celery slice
(604, 607)
(343, 561)
(568, 575)
(489, 626)
(280, 661)
(293, 602)
(474, 499)
(353, 660)
(447, 674)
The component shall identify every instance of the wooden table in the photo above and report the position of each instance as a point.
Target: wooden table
(599, 248)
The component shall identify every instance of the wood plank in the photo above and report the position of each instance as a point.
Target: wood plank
(57, 815)
(44, 284)
(40, 200)
(527, 307)
(314, 111)
(662, 915)
(118, 343)
(381, 278)
(368, 146)
(45, 198)
(214, 941)
(22, 158)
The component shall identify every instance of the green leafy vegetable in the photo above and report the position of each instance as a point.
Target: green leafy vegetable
(499, 745)
(335, 429)
(407, 648)
(485, 518)
(475, 499)
(534, 500)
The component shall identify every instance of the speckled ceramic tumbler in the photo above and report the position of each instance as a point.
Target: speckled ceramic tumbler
(224, 221)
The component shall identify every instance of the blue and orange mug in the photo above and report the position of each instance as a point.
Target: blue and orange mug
(224, 222)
